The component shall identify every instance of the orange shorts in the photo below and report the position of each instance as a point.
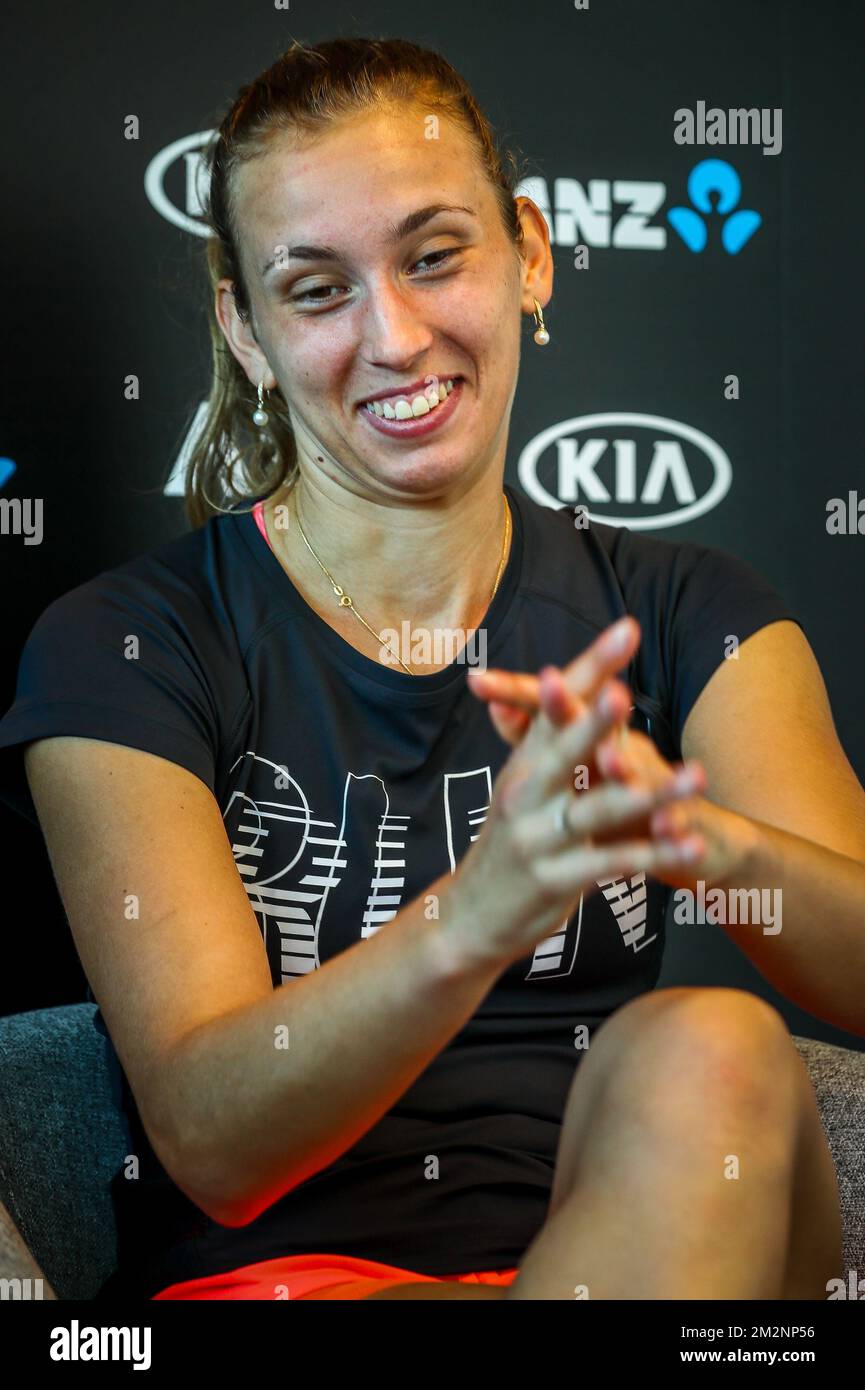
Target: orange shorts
(317, 1276)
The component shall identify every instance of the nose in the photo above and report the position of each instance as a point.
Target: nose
(394, 331)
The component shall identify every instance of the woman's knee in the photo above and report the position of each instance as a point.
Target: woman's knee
(676, 1064)
(727, 1039)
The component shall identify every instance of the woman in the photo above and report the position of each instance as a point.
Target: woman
(250, 774)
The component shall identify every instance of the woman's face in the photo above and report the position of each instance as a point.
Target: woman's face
(347, 304)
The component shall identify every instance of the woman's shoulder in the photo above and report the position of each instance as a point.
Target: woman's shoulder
(172, 616)
(144, 653)
(651, 573)
(693, 600)
(183, 581)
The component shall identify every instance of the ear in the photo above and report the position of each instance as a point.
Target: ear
(240, 337)
(536, 257)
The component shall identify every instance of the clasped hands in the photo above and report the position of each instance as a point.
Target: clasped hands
(704, 841)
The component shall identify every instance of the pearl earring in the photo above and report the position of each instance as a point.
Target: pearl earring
(542, 337)
(260, 416)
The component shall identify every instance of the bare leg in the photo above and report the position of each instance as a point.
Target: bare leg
(676, 1085)
(688, 1159)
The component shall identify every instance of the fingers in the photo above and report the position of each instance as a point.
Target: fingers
(556, 755)
(606, 808)
(583, 677)
(640, 760)
(510, 724)
(558, 703)
(551, 698)
(567, 735)
(639, 757)
(611, 651)
(510, 687)
(673, 822)
(561, 707)
(593, 862)
(613, 805)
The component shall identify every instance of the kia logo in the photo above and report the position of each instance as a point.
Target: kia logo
(600, 462)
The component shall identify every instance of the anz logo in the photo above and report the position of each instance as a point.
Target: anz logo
(607, 464)
(578, 216)
(175, 183)
(739, 224)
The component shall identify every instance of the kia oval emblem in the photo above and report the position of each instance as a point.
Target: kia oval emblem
(194, 180)
(620, 457)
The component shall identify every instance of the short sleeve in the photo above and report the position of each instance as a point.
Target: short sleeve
(110, 660)
(689, 599)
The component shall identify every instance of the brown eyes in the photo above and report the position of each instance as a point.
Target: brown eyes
(438, 259)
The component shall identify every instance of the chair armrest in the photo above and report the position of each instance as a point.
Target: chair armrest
(838, 1077)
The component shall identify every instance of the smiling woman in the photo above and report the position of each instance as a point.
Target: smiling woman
(335, 277)
(391, 1000)
(340, 242)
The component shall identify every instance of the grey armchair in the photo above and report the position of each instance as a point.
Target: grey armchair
(62, 1138)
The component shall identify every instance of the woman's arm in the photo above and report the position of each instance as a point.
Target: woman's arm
(763, 729)
(787, 813)
(244, 1089)
(809, 941)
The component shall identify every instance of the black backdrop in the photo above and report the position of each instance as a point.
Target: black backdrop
(103, 280)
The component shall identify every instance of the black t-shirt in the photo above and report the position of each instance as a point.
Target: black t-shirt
(346, 788)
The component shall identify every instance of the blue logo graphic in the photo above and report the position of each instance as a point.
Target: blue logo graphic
(714, 176)
(7, 468)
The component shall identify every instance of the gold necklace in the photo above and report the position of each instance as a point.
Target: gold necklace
(345, 600)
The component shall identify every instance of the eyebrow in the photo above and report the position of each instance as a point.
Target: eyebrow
(409, 224)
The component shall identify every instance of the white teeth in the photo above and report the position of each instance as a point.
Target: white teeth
(401, 408)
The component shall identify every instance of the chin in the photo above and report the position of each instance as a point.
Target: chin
(420, 478)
